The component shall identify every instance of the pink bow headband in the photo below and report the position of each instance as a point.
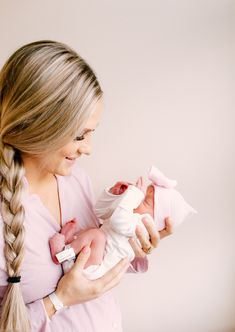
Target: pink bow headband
(159, 179)
(169, 201)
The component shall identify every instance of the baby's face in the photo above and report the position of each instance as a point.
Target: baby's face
(147, 205)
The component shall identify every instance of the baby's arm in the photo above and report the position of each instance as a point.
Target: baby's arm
(95, 239)
(122, 220)
(109, 200)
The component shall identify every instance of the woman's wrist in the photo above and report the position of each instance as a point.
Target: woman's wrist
(49, 307)
(61, 297)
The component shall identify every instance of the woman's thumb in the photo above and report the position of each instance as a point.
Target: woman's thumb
(82, 258)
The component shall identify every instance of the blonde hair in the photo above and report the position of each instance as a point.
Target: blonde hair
(47, 93)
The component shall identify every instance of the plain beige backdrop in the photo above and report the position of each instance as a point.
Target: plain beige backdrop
(167, 70)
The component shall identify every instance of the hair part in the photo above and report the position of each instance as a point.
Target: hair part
(47, 93)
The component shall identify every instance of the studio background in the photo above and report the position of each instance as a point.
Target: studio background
(167, 70)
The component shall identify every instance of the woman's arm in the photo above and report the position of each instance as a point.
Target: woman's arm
(74, 287)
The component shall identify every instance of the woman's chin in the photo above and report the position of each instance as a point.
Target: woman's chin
(65, 171)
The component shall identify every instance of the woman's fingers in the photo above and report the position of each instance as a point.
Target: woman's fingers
(154, 236)
(136, 248)
(81, 259)
(153, 233)
(145, 243)
(168, 230)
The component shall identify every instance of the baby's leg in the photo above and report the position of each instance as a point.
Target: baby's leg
(96, 239)
(56, 243)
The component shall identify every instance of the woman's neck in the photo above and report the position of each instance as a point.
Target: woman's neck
(37, 176)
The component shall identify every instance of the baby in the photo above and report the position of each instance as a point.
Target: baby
(120, 208)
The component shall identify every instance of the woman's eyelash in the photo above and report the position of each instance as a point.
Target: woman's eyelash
(82, 137)
(79, 138)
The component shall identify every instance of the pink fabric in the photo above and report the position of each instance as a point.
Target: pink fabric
(169, 202)
(40, 275)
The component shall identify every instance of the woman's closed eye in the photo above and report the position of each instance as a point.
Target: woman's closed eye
(82, 137)
(79, 138)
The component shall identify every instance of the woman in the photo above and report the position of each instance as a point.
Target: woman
(50, 102)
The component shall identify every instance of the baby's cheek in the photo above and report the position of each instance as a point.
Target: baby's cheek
(144, 208)
(140, 209)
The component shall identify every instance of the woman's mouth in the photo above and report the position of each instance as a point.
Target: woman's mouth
(70, 160)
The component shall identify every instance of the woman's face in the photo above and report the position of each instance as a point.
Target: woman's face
(61, 161)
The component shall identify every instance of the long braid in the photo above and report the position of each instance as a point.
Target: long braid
(12, 210)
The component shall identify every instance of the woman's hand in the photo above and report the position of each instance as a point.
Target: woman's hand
(154, 237)
(74, 287)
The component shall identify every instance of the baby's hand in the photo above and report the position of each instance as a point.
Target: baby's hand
(119, 188)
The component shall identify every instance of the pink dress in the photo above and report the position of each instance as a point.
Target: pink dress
(40, 275)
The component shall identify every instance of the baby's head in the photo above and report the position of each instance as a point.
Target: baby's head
(167, 201)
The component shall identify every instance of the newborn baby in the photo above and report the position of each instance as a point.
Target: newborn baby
(120, 208)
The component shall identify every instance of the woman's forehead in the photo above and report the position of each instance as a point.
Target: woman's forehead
(94, 119)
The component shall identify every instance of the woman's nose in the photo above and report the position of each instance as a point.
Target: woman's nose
(85, 148)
